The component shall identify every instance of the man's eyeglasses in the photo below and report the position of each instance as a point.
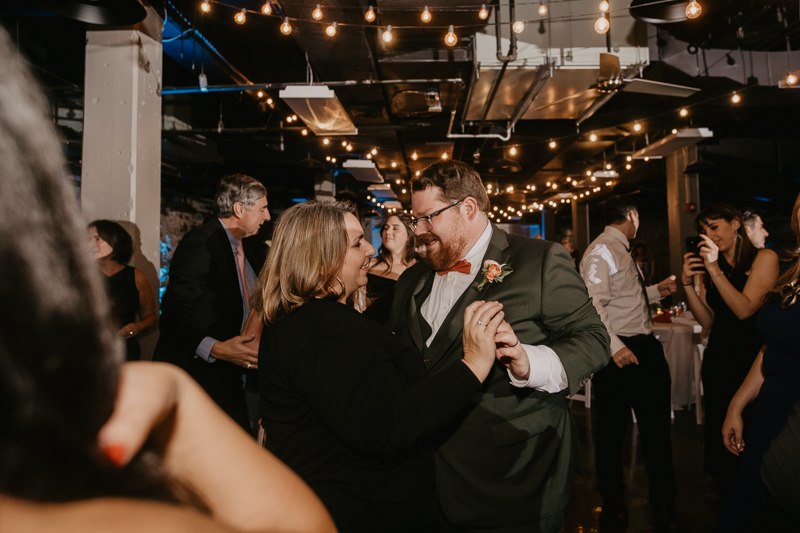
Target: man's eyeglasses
(425, 222)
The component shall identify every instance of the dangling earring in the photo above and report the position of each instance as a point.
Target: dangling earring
(341, 284)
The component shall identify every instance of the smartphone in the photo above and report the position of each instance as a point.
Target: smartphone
(693, 246)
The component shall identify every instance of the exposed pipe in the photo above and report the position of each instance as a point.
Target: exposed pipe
(278, 86)
(542, 75)
(506, 59)
(450, 135)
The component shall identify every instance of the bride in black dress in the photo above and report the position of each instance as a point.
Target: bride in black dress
(128, 290)
(395, 255)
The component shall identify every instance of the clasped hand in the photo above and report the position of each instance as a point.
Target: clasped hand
(235, 351)
(487, 337)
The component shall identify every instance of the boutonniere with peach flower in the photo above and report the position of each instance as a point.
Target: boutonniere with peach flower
(493, 271)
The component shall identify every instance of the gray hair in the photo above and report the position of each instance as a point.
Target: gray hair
(237, 188)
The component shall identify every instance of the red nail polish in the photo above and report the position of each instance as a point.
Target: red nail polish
(115, 452)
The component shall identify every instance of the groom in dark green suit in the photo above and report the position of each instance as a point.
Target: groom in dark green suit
(505, 464)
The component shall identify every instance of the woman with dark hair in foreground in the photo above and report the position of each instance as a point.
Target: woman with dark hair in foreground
(127, 287)
(164, 457)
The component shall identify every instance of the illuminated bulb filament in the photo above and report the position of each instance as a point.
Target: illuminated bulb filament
(331, 30)
(387, 35)
(518, 26)
(205, 7)
(513, 150)
(266, 8)
(450, 38)
(693, 10)
(317, 13)
(593, 137)
(426, 15)
(684, 112)
(240, 17)
(637, 127)
(542, 10)
(604, 7)
(286, 28)
(552, 144)
(602, 25)
(735, 98)
(370, 14)
(414, 156)
(483, 14)
(791, 79)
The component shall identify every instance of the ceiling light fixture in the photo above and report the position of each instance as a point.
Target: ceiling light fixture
(518, 26)
(592, 137)
(513, 150)
(304, 132)
(414, 156)
(604, 7)
(240, 17)
(317, 13)
(326, 141)
(552, 144)
(205, 7)
(542, 9)
(637, 127)
(450, 38)
(266, 9)
(387, 35)
(483, 14)
(374, 151)
(426, 15)
(602, 25)
(791, 79)
(444, 155)
(331, 30)
(735, 98)
(286, 28)
(683, 112)
(693, 10)
(369, 16)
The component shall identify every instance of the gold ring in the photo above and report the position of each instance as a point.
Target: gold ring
(130, 332)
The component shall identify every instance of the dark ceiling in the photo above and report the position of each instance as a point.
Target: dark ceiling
(753, 154)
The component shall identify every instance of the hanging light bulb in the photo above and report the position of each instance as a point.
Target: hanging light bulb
(374, 151)
(552, 144)
(317, 13)
(637, 127)
(674, 131)
(205, 7)
(735, 98)
(426, 15)
(791, 79)
(344, 143)
(304, 132)
(444, 155)
(294, 117)
(349, 147)
(370, 14)
(369, 156)
(331, 30)
(513, 150)
(542, 9)
(593, 137)
(693, 10)
(266, 9)
(326, 141)
(628, 166)
(683, 112)
(450, 38)
(602, 25)
(608, 166)
(483, 14)
(414, 156)
(518, 26)
(240, 17)
(387, 35)
(260, 94)
(286, 28)
(604, 7)
(394, 165)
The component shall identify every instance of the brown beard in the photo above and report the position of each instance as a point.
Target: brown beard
(448, 253)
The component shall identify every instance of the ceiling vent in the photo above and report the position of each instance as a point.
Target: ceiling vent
(319, 108)
(416, 103)
(363, 170)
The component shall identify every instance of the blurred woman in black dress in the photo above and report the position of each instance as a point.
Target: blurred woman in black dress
(397, 253)
(732, 288)
(346, 403)
(128, 290)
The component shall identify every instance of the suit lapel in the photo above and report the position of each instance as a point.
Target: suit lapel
(453, 325)
(418, 296)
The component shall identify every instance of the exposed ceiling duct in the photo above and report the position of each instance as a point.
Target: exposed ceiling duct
(363, 170)
(319, 108)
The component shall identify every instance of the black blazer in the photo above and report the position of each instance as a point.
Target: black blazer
(203, 300)
(348, 406)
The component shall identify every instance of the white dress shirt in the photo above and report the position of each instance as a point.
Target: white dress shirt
(612, 279)
(547, 373)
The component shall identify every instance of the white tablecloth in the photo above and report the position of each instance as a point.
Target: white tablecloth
(679, 339)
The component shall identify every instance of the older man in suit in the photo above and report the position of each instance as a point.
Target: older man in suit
(506, 463)
(213, 272)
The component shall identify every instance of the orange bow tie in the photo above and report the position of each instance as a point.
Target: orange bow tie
(462, 266)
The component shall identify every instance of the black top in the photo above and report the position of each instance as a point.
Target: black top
(124, 297)
(348, 406)
(381, 291)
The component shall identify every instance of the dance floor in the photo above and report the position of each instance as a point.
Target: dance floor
(699, 499)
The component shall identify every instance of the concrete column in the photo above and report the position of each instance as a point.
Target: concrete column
(121, 168)
(683, 204)
(580, 226)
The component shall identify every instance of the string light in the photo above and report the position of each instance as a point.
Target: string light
(205, 7)
(444, 155)
(555, 185)
(331, 30)
(735, 98)
(369, 16)
(317, 13)
(387, 35)
(552, 144)
(542, 9)
(674, 131)
(344, 143)
(588, 172)
(266, 9)
(294, 117)
(450, 38)
(509, 189)
(637, 127)
(304, 132)
(791, 79)
(414, 156)
(602, 25)
(240, 17)
(260, 94)
(608, 166)
(629, 158)
(328, 158)
(374, 151)
(646, 159)
(326, 141)
(416, 173)
(394, 165)
(286, 28)
(513, 150)
(369, 156)
(483, 14)
(333, 160)
(518, 26)
(604, 7)
(269, 101)
(693, 10)
(593, 137)
(426, 15)
(683, 112)
(288, 119)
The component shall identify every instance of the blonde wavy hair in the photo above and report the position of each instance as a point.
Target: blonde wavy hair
(308, 249)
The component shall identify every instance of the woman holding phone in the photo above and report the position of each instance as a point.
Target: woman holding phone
(734, 277)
